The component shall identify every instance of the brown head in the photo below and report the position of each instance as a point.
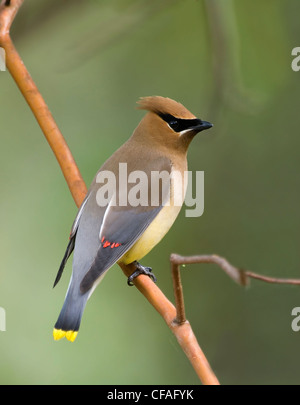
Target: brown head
(167, 124)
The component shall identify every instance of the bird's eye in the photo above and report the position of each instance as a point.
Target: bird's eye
(173, 124)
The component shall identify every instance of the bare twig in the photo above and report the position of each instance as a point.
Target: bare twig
(240, 276)
(233, 272)
(272, 280)
(178, 292)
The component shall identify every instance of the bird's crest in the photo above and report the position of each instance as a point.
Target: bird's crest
(164, 105)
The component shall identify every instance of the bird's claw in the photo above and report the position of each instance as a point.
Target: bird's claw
(141, 270)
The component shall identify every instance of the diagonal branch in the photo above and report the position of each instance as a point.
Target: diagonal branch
(183, 331)
(8, 11)
(37, 104)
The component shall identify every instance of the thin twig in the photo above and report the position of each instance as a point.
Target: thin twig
(273, 280)
(178, 292)
(233, 272)
(240, 276)
(154, 295)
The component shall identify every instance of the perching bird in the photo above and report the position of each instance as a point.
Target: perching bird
(122, 232)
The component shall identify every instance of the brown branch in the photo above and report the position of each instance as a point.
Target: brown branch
(240, 276)
(234, 273)
(37, 104)
(178, 292)
(183, 332)
(272, 280)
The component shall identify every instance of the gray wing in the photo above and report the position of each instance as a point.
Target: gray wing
(121, 229)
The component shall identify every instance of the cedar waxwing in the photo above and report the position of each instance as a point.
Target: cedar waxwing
(105, 234)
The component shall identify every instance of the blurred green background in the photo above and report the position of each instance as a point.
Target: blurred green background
(229, 63)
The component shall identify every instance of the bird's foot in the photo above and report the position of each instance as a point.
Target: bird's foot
(141, 270)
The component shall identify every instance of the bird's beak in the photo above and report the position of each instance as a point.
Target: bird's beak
(201, 126)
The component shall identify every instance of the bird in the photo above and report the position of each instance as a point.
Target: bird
(123, 233)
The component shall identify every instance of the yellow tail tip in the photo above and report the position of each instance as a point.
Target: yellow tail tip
(71, 335)
(59, 334)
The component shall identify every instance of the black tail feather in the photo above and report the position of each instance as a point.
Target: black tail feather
(68, 252)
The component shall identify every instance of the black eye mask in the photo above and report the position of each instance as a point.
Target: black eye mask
(180, 124)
